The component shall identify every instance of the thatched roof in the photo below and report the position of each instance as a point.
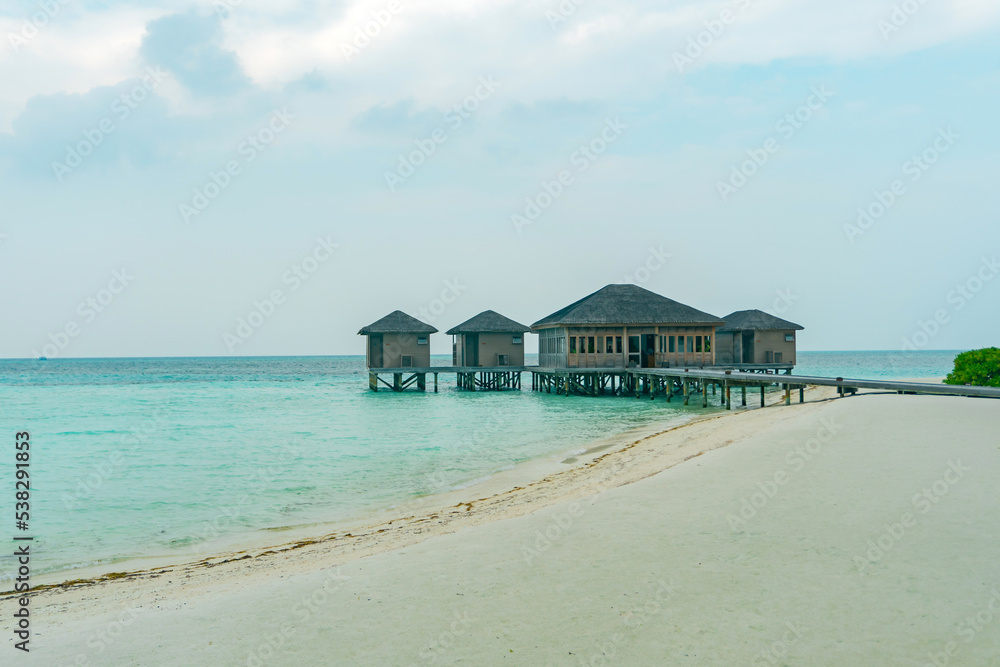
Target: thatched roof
(489, 321)
(756, 320)
(397, 322)
(626, 304)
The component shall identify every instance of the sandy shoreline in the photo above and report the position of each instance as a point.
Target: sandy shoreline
(127, 619)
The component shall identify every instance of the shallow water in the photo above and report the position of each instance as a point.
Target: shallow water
(149, 457)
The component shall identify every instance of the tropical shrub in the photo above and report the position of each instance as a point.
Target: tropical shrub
(977, 367)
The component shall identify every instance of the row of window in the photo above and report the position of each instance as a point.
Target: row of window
(678, 344)
(613, 344)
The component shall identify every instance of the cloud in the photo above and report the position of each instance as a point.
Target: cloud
(189, 46)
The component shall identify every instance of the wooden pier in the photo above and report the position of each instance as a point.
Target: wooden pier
(470, 378)
(684, 384)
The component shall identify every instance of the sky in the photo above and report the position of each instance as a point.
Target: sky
(250, 178)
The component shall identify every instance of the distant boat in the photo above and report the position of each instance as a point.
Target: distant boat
(43, 358)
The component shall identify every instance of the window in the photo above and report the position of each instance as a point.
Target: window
(590, 345)
(421, 340)
(697, 343)
(634, 347)
(708, 343)
(609, 345)
(680, 344)
(516, 340)
(789, 338)
(572, 344)
(690, 343)
(600, 344)
(672, 344)
(618, 344)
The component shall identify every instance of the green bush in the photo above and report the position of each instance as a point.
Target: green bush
(977, 367)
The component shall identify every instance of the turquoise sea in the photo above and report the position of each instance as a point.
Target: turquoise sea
(164, 457)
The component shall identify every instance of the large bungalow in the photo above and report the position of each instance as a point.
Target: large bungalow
(398, 341)
(488, 339)
(622, 326)
(756, 337)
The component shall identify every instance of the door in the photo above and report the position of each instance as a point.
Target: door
(649, 350)
(748, 347)
(471, 349)
(634, 350)
(375, 351)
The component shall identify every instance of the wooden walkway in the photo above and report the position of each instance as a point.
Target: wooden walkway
(669, 383)
(468, 377)
(684, 383)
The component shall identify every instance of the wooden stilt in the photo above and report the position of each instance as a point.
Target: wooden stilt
(729, 399)
(762, 396)
(435, 383)
(743, 388)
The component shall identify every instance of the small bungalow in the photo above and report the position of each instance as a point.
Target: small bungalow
(488, 339)
(755, 337)
(398, 341)
(622, 326)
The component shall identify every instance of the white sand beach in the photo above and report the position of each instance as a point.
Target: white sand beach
(856, 531)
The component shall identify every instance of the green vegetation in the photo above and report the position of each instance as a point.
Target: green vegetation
(977, 367)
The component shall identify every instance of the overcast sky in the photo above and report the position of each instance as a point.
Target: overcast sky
(169, 169)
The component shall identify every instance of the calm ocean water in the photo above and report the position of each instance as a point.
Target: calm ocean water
(149, 457)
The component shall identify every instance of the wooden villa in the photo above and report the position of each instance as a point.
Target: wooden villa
(755, 338)
(398, 341)
(626, 326)
(488, 339)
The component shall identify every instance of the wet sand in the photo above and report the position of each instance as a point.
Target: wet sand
(862, 530)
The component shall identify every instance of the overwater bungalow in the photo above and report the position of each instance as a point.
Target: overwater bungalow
(488, 339)
(398, 341)
(626, 326)
(754, 337)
